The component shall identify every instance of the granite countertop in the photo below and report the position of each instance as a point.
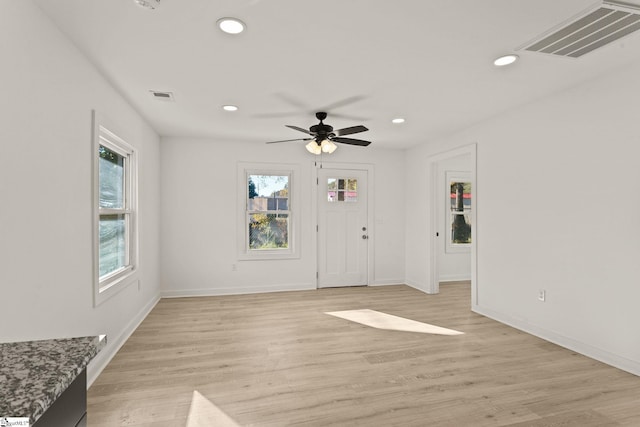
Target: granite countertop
(33, 374)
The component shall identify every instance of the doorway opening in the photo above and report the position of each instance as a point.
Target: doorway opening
(452, 231)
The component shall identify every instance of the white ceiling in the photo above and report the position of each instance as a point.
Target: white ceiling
(429, 61)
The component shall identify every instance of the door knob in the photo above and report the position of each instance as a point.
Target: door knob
(364, 236)
(364, 228)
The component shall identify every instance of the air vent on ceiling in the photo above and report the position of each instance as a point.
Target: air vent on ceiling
(164, 96)
(592, 29)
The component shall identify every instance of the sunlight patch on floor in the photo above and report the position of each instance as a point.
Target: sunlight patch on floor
(203, 413)
(376, 319)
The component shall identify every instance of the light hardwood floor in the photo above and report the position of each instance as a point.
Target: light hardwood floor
(278, 360)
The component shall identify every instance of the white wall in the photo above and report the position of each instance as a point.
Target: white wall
(199, 226)
(452, 266)
(49, 91)
(417, 253)
(570, 224)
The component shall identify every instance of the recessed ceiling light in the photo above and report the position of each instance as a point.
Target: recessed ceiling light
(229, 108)
(231, 25)
(397, 121)
(505, 60)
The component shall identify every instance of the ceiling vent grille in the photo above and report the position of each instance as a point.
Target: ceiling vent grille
(592, 29)
(163, 96)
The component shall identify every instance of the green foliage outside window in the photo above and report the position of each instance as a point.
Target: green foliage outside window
(268, 231)
(460, 230)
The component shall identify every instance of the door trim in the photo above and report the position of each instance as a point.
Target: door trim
(370, 216)
(433, 285)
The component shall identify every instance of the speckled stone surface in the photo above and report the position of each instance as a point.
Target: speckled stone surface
(33, 374)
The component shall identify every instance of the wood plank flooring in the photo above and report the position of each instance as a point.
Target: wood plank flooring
(278, 360)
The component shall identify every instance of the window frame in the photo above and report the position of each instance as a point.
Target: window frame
(109, 284)
(275, 169)
(456, 176)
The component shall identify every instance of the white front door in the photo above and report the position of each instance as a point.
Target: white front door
(343, 232)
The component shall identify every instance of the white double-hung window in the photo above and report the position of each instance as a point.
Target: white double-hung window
(268, 202)
(115, 205)
(268, 214)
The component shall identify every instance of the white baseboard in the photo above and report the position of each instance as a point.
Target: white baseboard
(212, 292)
(102, 359)
(387, 282)
(415, 285)
(599, 354)
(454, 277)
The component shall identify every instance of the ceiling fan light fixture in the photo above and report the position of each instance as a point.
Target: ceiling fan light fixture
(313, 148)
(231, 25)
(328, 146)
(505, 60)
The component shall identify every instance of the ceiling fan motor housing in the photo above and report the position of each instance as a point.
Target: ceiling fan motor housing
(321, 131)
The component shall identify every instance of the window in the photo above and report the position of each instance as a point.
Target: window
(459, 197)
(342, 190)
(267, 223)
(268, 211)
(115, 205)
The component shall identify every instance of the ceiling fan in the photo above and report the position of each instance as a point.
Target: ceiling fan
(323, 137)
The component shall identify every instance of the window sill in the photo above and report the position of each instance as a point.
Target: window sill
(267, 255)
(106, 291)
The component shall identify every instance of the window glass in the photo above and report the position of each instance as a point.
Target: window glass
(111, 165)
(113, 244)
(113, 227)
(460, 208)
(342, 190)
(268, 211)
(268, 231)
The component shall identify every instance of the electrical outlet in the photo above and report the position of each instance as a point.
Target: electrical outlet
(542, 295)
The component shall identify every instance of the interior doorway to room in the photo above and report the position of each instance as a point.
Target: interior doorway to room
(343, 227)
(453, 219)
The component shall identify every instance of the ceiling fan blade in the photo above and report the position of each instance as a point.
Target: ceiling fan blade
(299, 129)
(277, 115)
(292, 100)
(348, 117)
(343, 102)
(350, 130)
(302, 107)
(289, 140)
(351, 141)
